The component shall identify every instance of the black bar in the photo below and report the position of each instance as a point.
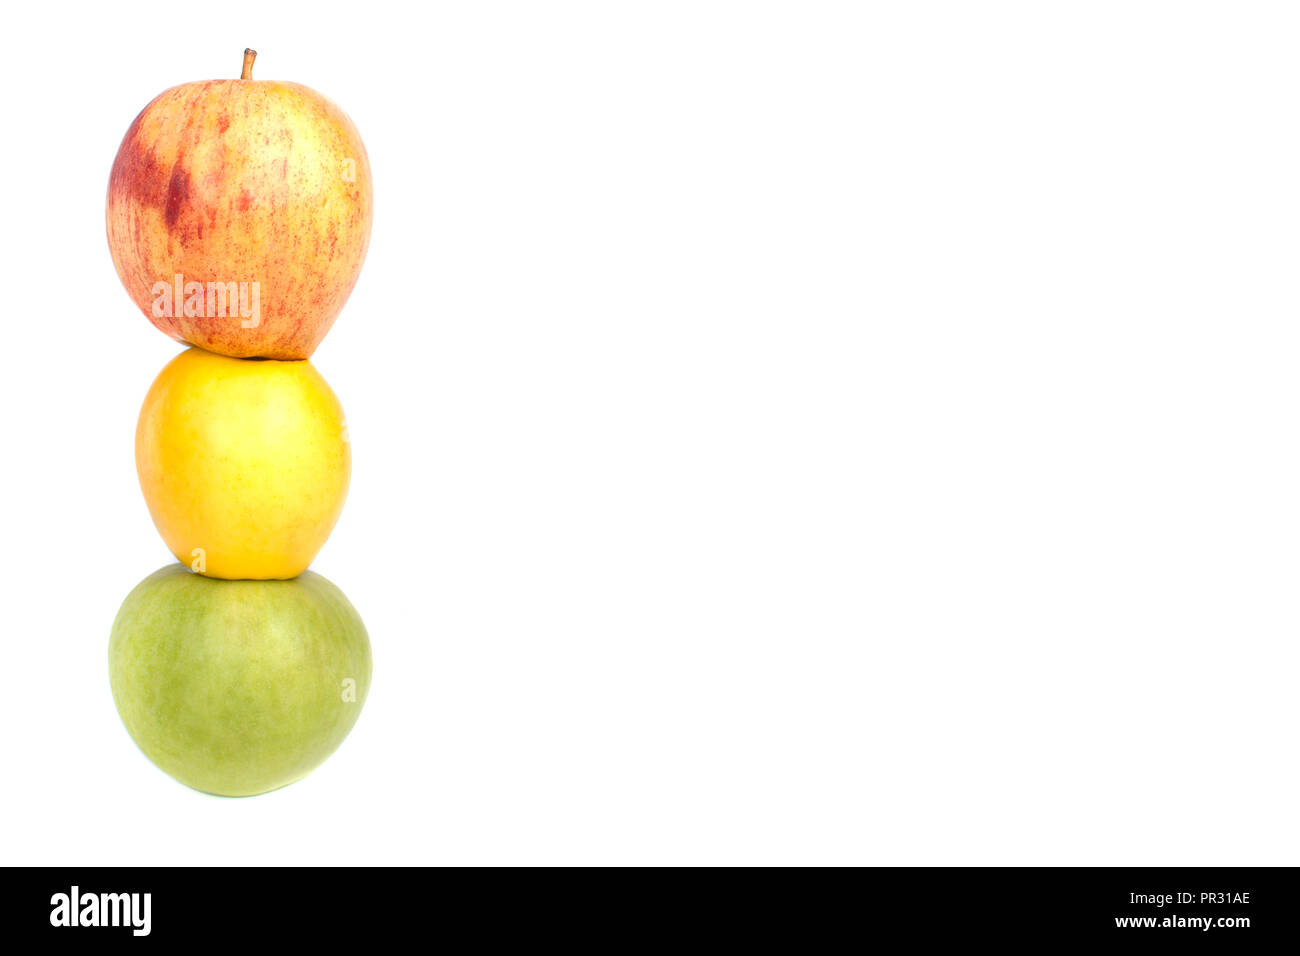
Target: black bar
(1226, 907)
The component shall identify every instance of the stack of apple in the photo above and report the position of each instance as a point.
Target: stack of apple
(239, 214)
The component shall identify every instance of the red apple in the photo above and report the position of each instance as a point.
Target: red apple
(239, 214)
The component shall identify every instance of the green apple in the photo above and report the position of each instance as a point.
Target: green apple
(238, 687)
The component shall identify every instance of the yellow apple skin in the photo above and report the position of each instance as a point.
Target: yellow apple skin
(242, 181)
(244, 464)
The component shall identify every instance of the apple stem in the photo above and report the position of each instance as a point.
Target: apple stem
(249, 56)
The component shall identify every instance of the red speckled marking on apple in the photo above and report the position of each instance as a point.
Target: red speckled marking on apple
(178, 192)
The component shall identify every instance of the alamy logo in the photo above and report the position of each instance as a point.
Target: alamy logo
(216, 300)
(102, 909)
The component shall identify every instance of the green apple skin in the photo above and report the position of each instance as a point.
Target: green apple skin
(238, 687)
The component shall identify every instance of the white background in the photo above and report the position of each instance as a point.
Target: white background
(783, 433)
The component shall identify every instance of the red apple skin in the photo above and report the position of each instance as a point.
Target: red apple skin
(242, 181)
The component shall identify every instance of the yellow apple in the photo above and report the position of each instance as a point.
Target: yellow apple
(244, 464)
(239, 214)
